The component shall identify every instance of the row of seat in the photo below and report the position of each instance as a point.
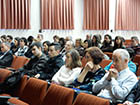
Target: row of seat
(34, 91)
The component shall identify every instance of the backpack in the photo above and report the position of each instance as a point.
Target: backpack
(10, 83)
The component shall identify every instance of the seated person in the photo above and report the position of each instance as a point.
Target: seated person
(37, 62)
(6, 58)
(131, 64)
(117, 82)
(70, 71)
(92, 72)
(54, 62)
(133, 97)
(135, 45)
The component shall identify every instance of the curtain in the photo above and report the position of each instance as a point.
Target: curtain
(96, 15)
(57, 14)
(128, 15)
(14, 14)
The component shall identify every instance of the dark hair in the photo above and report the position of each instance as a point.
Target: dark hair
(76, 62)
(131, 53)
(89, 43)
(135, 38)
(37, 44)
(17, 39)
(10, 37)
(24, 39)
(98, 40)
(62, 42)
(56, 45)
(47, 42)
(4, 37)
(116, 45)
(96, 54)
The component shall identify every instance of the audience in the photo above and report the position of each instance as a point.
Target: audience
(46, 45)
(135, 44)
(118, 43)
(23, 47)
(37, 63)
(54, 62)
(131, 64)
(117, 82)
(6, 58)
(70, 71)
(96, 41)
(16, 46)
(107, 44)
(133, 97)
(92, 72)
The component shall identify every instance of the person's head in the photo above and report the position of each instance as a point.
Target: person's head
(118, 41)
(23, 42)
(17, 41)
(131, 53)
(30, 40)
(36, 49)
(46, 45)
(5, 46)
(69, 45)
(134, 41)
(39, 37)
(56, 38)
(120, 59)
(3, 38)
(94, 54)
(87, 44)
(9, 38)
(78, 42)
(108, 39)
(54, 49)
(68, 38)
(96, 39)
(88, 37)
(62, 42)
(73, 59)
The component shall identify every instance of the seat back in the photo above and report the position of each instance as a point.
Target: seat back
(4, 73)
(34, 91)
(87, 99)
(21, 86)
(19, 62)
(104, 63)
(58, 95)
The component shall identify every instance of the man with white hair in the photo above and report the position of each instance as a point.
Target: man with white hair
(117, 82)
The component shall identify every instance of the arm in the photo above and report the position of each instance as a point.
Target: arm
(88, 67)
(69, 80)
(122, 91)
(100, 84)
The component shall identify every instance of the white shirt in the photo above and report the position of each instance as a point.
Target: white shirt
(66, 76)
(116, 89)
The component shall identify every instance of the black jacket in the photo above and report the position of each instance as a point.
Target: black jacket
(6, 60)
(134, 95)
(35, 65)
(53, 65)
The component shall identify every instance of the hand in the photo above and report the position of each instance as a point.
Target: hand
(136, 103)
(127, 103)
(109, 76)
(89, 65)
(114, 73)
(37, 76)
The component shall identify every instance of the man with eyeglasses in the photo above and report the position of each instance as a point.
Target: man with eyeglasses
(36, 65)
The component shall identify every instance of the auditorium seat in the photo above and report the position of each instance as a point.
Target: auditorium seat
(3, 74)
(33, 93)
(18, 62)
(58, 95)
(104, 63)
(87, 99)
(109, 54)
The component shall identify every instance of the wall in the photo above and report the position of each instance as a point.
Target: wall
(76, 33)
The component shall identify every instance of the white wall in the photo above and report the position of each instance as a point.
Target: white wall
(78, 19)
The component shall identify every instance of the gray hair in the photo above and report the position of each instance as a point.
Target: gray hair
(123, 53)
(7, 44)
(71, 42)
